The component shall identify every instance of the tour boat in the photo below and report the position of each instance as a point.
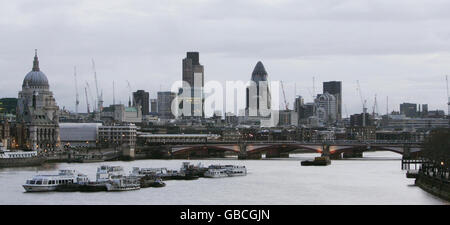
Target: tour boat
(41, 183)
(192, 170)
(106, 173)
(125, 183)
(216, 173)
(233, 170)
(163, 173)
(225, 171)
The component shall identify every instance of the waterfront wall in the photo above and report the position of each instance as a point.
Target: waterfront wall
(434, 186)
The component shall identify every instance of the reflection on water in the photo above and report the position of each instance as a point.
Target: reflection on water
(374, 179)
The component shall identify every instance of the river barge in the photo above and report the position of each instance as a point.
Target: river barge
(318, 161)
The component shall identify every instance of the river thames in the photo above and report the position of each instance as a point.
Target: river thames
(375, 179)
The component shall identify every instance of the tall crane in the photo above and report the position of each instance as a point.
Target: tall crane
(77, 100)
(90, 95)
(87, 100)
(363, 102)
(98, 96)
(284, 96)
(375, 107)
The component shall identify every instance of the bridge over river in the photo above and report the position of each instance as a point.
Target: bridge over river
(275, 149)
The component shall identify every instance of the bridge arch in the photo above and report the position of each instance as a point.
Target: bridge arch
(284, 148)
(205, 148)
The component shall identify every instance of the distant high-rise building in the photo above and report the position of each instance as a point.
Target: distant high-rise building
(193, 75)
(424, 110)
(326, 107)
(165, 99)
(153, 105)
(300, 108)
(258, 94)
(408, 109)
(335, 88)
(141, 98)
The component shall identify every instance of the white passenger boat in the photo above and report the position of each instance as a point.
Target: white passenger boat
(233, 170)
(106, 173)
(225, 171)
(164, 173)
(126, 183)
(41, 183)
(216, 173)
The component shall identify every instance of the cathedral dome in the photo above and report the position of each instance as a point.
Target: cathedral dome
(35, 78)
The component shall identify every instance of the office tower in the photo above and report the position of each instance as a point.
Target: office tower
(193, 75)
(335, 88)
(258, 93)
(424, 110)
(141, 98)
(165, 99)
(326, 107)
(408, 109)
(153, 105)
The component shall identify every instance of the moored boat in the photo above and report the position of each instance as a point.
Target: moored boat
(125, 183)
(93, 187)
(42, 183)
(151, 182)
(233, 170)
(193, 170)
(318, 161)
(216, 173)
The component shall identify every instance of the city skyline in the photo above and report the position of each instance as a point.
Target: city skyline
(328, 45)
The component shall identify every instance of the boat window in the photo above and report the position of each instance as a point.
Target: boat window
(45, 182)
(32, 182)
(39, 182)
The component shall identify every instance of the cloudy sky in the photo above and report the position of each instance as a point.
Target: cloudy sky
(399, 49)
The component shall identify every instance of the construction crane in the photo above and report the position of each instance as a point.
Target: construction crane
(448, 97)
(363, 102)
(284, 96)
(98, 96)
(90, 95)
(87, 100)
(375, 107)
(77, 101)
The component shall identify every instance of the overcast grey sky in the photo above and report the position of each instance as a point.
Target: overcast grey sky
(399, 49)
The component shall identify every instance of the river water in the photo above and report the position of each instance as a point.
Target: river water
(374, 179)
